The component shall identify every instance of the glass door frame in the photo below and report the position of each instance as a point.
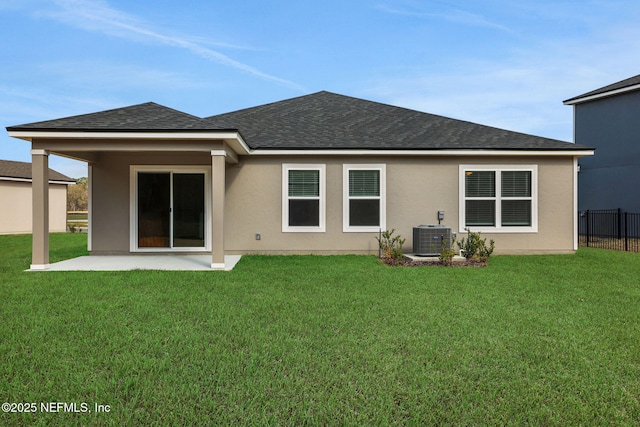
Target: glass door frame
(133, 205)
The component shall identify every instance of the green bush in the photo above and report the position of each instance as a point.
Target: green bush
(475, 248)
(446, 252)
(390, 245)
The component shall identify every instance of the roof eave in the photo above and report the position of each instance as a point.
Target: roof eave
(24, 179)
(579, 152)
(53, 132)
(231, 136)
(236, 141)
(582, 99)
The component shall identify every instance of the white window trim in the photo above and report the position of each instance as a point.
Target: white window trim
(133, 205)
(286, 228)
(345, 198)
(499, 169)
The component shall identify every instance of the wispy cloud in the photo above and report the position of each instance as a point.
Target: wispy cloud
(209, 42)
(99, 16)
(517, 98)
(16, 5)
(22, 105)
(457, 16)
(518, 94)
(103, 75)
(523, 88)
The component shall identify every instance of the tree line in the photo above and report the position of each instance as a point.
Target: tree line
(78, 195)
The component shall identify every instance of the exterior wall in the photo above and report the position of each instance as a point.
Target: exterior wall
(57, 208)
(609, 179)
(16, 215)
(417, 188)
(110, 195)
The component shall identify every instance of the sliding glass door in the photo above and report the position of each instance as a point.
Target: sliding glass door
(171, 210)
(188, 210)
(154, 210)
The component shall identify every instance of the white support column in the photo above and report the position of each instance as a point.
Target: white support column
(40, 205)
(217, 208)
(89, 205)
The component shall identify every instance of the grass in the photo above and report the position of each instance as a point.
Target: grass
(77, 216)
(76, 220)
(632, 244)
(529, 340)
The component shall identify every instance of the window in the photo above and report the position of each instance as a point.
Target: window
(303, 198)
(498, 198)
(364, 193)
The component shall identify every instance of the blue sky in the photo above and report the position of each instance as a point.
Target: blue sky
(504, 63)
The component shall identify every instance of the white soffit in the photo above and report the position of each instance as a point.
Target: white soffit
(466, 152)
(237, 143)
(234, 139)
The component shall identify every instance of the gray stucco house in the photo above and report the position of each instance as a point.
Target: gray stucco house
(321, 173)
(609, 120)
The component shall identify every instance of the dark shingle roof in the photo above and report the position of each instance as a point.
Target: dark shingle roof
(136, 118)
(321, 120)
(325, 120)
(22, 170)
(631, 81)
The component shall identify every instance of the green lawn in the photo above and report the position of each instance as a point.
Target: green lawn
(537, 340)
(77, 216)
(77, 220)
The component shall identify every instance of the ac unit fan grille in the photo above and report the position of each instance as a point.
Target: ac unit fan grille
(428, 239)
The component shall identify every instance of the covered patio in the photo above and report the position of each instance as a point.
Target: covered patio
(121, 147)
(141, 262)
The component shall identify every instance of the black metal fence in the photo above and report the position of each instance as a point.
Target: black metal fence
(609, 229)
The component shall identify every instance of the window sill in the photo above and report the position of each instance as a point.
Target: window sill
(303, 230)
(499, 230)
(361, 229)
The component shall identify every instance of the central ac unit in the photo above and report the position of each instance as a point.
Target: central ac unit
(428, 239)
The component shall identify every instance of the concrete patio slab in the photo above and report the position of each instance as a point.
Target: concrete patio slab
(457, 259)
(141, 262)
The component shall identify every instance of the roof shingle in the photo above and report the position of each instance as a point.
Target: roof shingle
(136, 118)
(326, 120)
(22, 170)
(321, 120)
(631, 81)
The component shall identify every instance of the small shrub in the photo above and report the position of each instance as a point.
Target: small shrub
(390, 245)
(475, 248)
(447, 253)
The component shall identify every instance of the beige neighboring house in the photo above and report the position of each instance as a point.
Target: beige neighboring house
(321, 173)
(16, 198)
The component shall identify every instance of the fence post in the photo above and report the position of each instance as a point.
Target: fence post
(587, 227)
(626, 231)
(619, 223)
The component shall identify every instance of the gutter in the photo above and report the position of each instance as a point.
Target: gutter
(583, 99)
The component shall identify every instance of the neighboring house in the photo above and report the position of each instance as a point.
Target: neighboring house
(15, 198)
(321, 173)
(608, 119)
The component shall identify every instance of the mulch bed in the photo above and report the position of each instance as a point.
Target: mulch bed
(408, 262)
